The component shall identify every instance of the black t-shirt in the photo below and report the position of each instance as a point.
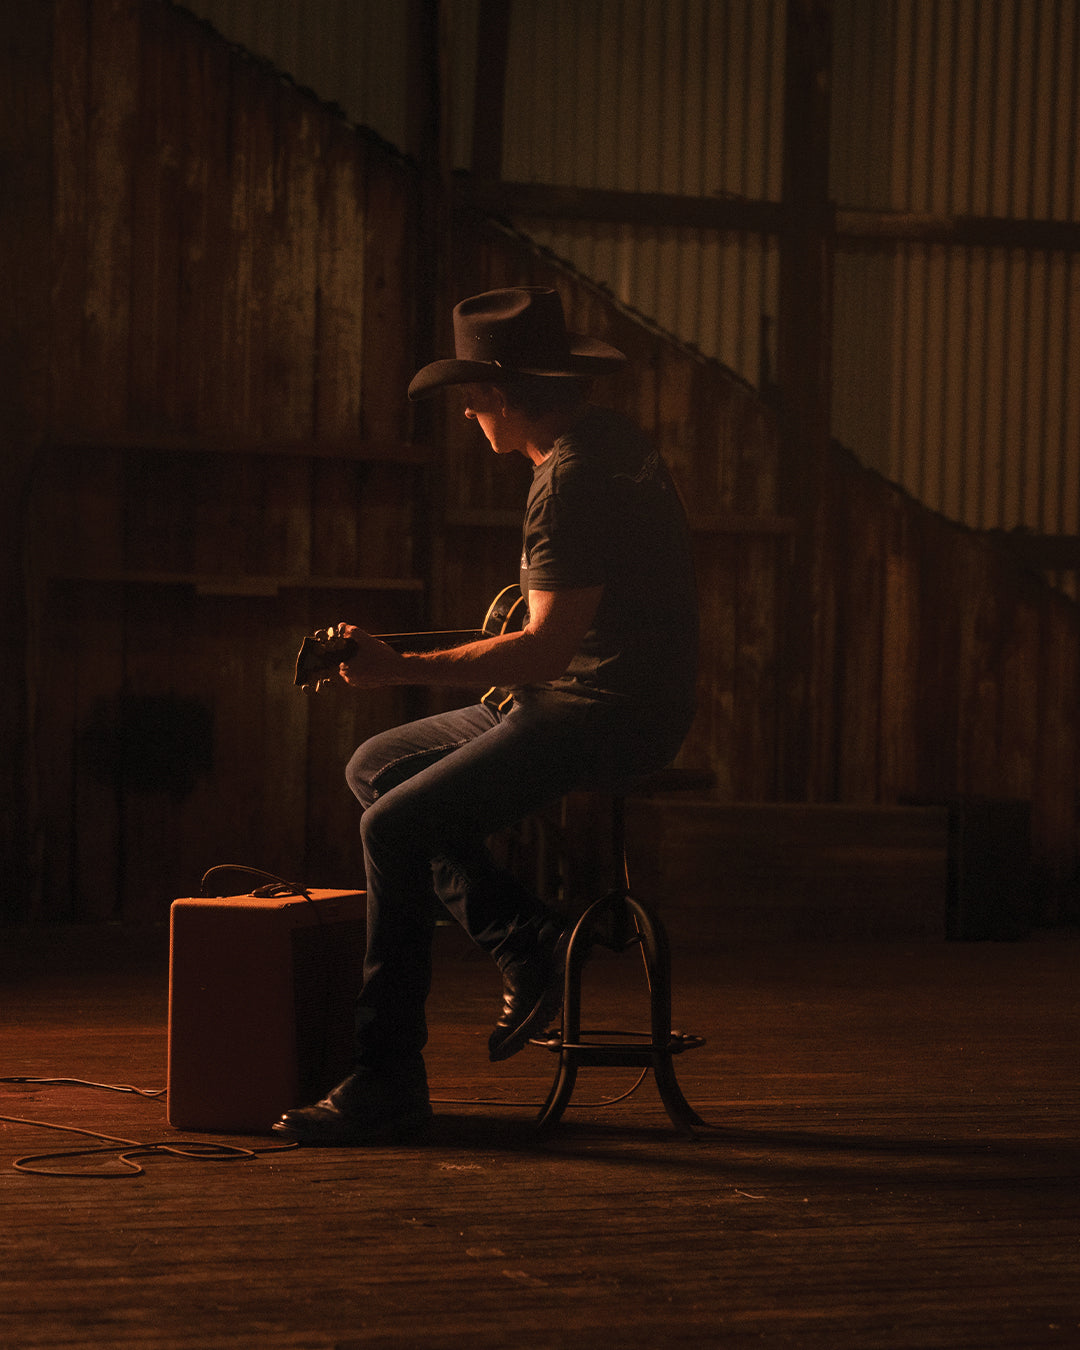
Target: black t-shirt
(603, 510)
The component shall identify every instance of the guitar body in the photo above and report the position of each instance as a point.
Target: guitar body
(506, 614)
(320, 655)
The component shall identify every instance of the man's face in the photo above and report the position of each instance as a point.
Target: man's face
(499, 422)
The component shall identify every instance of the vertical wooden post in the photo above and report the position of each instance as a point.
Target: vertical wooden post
(805, 375)
(432, 226)
(492, 42)
(425, 97)
(25, 150)
(442, 226)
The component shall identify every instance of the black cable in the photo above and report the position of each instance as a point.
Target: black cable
(197, 1150)
(278, 886)
(580, 1106)
(83, 1082)
(194, 1149)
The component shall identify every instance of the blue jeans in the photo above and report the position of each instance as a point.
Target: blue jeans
(432, 792)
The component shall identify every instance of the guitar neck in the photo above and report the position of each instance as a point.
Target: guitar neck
(320, 656)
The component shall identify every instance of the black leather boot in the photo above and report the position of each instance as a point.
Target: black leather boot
(532, 993)
(369, 1107)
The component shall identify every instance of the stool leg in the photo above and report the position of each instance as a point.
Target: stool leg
(577, 951)
(681, 1114)
(560, 1093)
(657, 950)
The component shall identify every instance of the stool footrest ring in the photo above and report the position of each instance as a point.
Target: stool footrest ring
(643, 928)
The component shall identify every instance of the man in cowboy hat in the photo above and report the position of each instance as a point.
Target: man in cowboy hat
(602, 676)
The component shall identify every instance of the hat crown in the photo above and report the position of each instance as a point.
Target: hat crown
(520, 330)
(523, 328)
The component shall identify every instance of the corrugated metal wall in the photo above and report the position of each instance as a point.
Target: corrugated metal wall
(675, 96)
(683, 98)
(955, 366)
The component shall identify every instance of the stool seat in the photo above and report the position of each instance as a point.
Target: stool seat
(620, 922)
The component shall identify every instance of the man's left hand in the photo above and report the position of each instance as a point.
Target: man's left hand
(374, 664)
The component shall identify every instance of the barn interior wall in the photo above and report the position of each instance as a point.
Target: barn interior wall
(951, 363)
(210, 454)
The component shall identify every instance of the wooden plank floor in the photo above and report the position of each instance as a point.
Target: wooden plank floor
(896, 1163)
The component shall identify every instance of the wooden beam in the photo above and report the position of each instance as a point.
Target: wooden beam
(1045, 552)
(961, 231)
(492, 44)
(541, 200)
(804, 374)
(743, 215)
(424, 111)
(358, 448)
(26, 152)
(236, 584)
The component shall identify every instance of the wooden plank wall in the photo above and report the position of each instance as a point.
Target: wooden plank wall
(954, 672)
(222, 461)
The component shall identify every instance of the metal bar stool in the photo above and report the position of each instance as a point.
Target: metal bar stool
(619, 921)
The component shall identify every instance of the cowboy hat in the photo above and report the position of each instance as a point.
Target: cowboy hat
(517, 331)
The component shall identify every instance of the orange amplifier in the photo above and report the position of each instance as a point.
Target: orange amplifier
(261, 999)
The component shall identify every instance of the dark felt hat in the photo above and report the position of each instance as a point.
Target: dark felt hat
(517, 331)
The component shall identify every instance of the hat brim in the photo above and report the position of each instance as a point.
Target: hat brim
(588, 356)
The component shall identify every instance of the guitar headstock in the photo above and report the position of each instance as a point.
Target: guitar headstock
(319, 657)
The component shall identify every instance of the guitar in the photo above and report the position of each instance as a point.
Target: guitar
(320, 655)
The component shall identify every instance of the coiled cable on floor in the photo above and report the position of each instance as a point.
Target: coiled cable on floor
(125, 1158)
